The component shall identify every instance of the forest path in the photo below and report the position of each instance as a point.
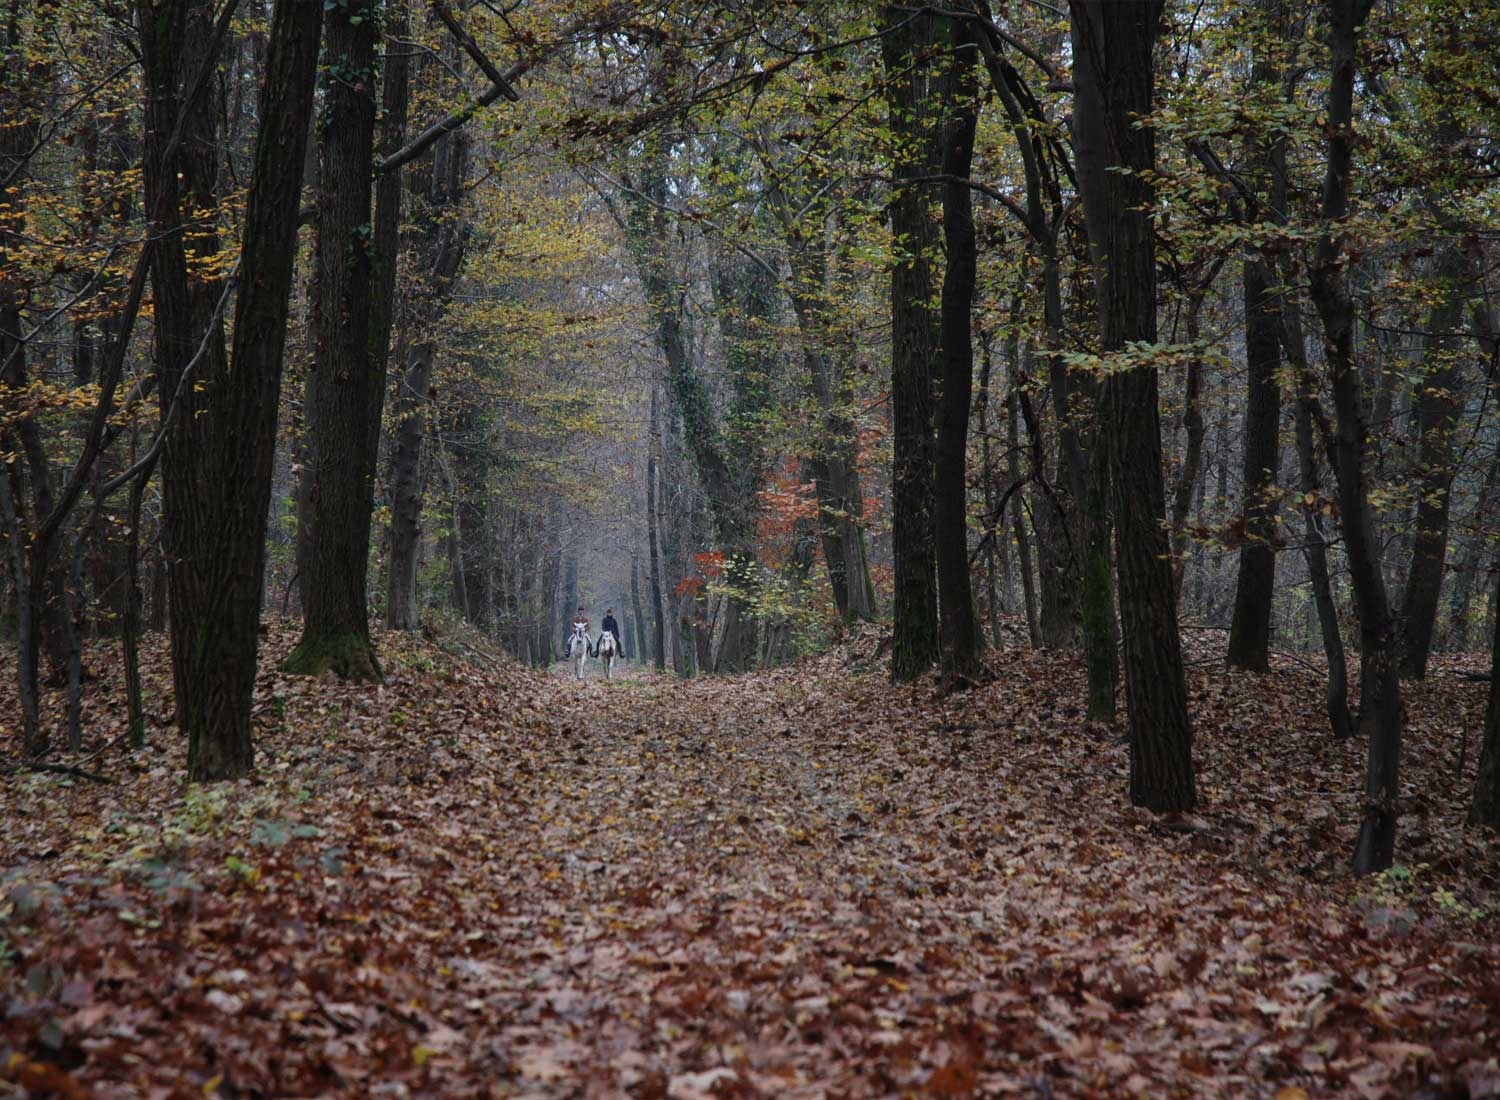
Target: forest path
(793, 885)
(476, 880)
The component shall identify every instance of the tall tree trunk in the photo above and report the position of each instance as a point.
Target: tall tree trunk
(34, 739)
(569, 600)
(345, 391)
(1070, 588)
(1380, 701)
(653, 528)
(1255, 586)
(1439, 409)
(834, 466)
(1114, 77)
(442, 233)
(414, 386)
(642, 651)
(1018, 506)
(995, 537)
(130, 626)
(1340, 721)
(1100, 626)
(958, 627)
(907, 43)
(26, 79)
(221, 444)
(1189, 480)
(401, 611)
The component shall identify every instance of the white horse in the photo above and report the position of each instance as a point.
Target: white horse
(578, 649)
(606, 652)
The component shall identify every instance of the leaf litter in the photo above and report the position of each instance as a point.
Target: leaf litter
(478, 880)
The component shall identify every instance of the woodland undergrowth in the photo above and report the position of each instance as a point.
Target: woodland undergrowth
(481, 880)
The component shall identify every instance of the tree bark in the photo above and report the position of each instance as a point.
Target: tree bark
(1439, 410)
(345, 394)
(995, 524)
(220, 445)
(401, 611)
(653, 525)
(1114, 77)
(443, 234)
(1018, 502)
(1255, 586)
(1192, 459)
(835, 460)
(642, 652)
(1100, 626)
(1380, 702)
(1340, 721)
(958, 627)
(907, 43)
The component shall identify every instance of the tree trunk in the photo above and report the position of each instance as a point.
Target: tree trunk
(653, 526)
(994, 524)
(834, 466)
(442, 232)
(220, 445)
(569, 600)
(1439, 410)
(130, 625)
(1018, 513)
(642, 653)
(1340, 721)
(34, 740)
(1255, 586)
(401, 609)
(1114, 77)
(1100, 627)
(958, 627)
(414, 386)
(1380, 701)
(345, 389)
(1192, 460)
(906, 43)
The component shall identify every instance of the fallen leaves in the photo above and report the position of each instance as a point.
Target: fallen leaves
(485, 881)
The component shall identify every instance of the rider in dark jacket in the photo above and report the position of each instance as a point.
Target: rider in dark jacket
(609, 626)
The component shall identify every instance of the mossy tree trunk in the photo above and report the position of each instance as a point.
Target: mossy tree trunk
(344, 390)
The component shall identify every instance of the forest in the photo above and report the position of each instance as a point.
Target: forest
(1035, 460)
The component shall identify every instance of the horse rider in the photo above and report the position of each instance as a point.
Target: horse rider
(579, 619)
(610, 627)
